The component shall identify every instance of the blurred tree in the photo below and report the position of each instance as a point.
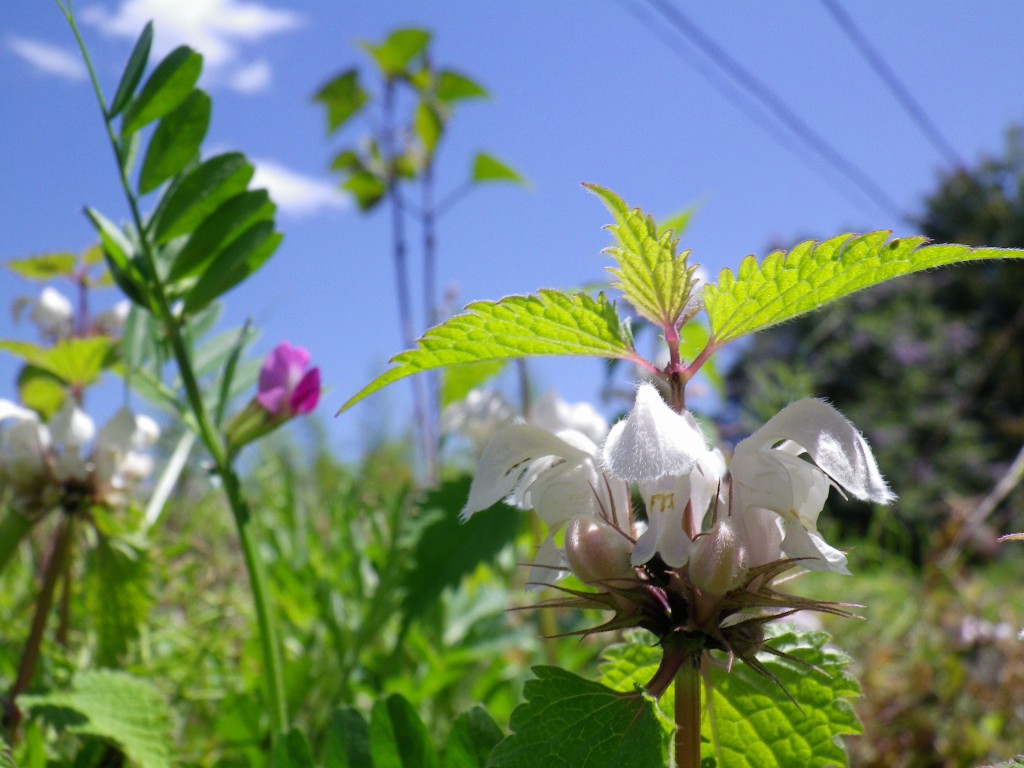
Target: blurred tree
(932, 367)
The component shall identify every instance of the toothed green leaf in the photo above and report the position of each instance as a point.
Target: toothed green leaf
(548, 323)
(786, 285)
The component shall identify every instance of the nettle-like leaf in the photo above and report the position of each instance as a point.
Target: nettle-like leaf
(569, 721)
(77, 361)
(117, 596)
(457, 381)
(45, 266)
(548, 323)
(651, 275)
(113, 706)
(787, 285)
(754, 723)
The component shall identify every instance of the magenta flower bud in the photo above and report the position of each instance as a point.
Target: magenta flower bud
(718, 560)
(286, 387)
(597, 552)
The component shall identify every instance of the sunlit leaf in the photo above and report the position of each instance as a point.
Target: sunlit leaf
(473, 736)
(548, 323)
(113, 706)
(119, 254)
(398, 737)
(453, 86)
(367, 188)
(488, 168)
(199, 193)
(398, 50)
(343, 98)
(45, 266)
(41, 391)
(133, 72)
(653, 276)
(458, 380)
(175, 141)
(117, 596)
(568, 721)
(165, 88)
(787, 285)
(76, 361)
(428, 126)
(244, 256)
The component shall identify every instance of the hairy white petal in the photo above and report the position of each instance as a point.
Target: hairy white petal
(71, 426)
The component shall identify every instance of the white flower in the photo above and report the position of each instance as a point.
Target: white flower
(787, 468)
(111, 322)
(71, 428)
(24, 445)
(477, 416)
(51, 312)
(555, 475)
(552, 413)
(119, 463)
(665, 453)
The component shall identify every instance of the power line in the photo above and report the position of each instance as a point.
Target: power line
(750, 83)
(884, 71)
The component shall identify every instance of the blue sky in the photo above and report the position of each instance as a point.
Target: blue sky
(581, 91)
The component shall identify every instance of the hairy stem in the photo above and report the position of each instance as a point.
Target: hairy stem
(688, 713)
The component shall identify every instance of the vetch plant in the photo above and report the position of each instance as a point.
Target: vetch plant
(698, 564)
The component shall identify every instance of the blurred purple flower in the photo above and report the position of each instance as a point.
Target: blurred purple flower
(286, 387)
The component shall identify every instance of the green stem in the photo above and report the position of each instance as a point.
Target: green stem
(688, 713)
(14, 526)
(210, 436)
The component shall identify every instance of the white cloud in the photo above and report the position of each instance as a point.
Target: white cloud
(48, 58)
(295, 193)
(216, 28)
(250, 78)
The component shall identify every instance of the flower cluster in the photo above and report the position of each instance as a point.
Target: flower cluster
(60, 464)
(699, 571)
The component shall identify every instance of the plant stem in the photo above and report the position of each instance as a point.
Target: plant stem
(688, 713)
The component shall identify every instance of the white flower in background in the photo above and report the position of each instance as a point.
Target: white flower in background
(24, 445)
(552, 413)
(781, 476)
(51, 312)
(556, 475)
(477, 416)
(71, 428)
(111, 322)
(665, 453)
(117, 457)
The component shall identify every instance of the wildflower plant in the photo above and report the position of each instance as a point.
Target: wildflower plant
(695, 574)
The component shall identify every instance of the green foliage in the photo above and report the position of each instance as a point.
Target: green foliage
(117, 596)
(548, 323)
(398, 51)
(44, 267)
(454, 86)
(133, 72)
(488, 168)
(113, 706)
(651, 275)
(6, 758)
(40, 390)
(569, 721)
(343, 98)
(458, 381)
(198, 194)
(168, 85)
(398, 738)
(77, 362)
(292, 751)
(175, 142)
(347, 744)
(786, 285)
(472, 738)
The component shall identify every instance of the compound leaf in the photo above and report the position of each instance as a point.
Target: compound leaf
(167, 86)
(133, 72)
(175, 141)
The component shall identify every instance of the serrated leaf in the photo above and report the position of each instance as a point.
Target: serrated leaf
(447, 549)
(199, 193)
(343, 98)
(117, 596)
(398, 738)
(176, 141)
(167, 86)
(76, 361)
(41, 391)
(457, 381)
(473, 736)
(347, 742)
(398, 50)
(6, 758)
(570, 722)
(453, 86)
(488, 168)
(114, 706)
(787, 285)
(548, 323)
(652, 276)
(133, 72)
(45, 266)
(244, 256)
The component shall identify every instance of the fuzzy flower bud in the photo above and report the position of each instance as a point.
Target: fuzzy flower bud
(596, 552)
(718, 560)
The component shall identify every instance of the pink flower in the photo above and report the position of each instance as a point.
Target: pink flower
(286, 388)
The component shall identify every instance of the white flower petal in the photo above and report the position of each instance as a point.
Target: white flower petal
(549, 566)
(820, 556)
(653, 441)
(552, 413)
(71, 426)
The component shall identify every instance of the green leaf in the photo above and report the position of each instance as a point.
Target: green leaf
(428, 126)
(366, 187)
(41, 391)
(117, 596)
(653, 277)
(6, 758)
(398, 738)
(199, 193)
(246, 254)
(118, 252)
(343, 98)
(292, 751)
(76, 361)
(347, 743)
(452, 86)
(167, 86)
(175, 142)
(487, 168)
(812, 274)
(46, 266)
(133, 72)
(569, 722)
(457, 381)
(448, 550)
(677, 222)
(401, 47)
(113, 706)
(473, 736)
(548, 323)
(219, 229)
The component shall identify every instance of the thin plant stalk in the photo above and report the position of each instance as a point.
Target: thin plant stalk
(273, 668)
(687, 737)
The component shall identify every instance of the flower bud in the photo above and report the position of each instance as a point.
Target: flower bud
(718, 561)
(596, 551)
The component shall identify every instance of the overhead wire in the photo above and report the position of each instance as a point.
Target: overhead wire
(888, 76)
(775, 105)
